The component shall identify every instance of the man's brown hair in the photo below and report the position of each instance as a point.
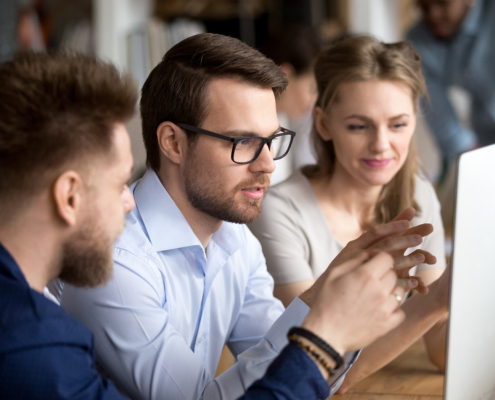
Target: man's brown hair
(56, 109)
(176, 89)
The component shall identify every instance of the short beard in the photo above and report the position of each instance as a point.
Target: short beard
(210, 200)
(87, 257)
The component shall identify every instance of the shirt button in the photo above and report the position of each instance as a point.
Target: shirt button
(200, 340)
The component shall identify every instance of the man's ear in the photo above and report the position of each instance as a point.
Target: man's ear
(321, 124)
(68, 192)
(288, 70)
(172, 141)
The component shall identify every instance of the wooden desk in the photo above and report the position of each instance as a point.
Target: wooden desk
(409, 377)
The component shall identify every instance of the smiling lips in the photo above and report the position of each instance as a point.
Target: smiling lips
(370, 162)
(255, 193)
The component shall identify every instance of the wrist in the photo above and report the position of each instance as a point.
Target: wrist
(324, 372)
(329, 337)
(437, 300)
(307, 296)
(315, 337)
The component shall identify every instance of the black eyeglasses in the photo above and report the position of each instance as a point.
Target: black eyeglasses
(245, 150)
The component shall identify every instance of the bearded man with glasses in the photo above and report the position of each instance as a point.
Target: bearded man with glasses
(189, 277)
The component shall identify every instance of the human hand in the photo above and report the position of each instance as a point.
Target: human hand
(402, 265)
(395, 238)
(357, 302)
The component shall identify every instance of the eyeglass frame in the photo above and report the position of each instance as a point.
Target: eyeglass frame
(267, 141)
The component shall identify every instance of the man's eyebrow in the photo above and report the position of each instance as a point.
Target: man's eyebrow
(236, 134)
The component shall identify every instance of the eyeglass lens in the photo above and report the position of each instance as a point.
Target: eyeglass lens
(247, 149)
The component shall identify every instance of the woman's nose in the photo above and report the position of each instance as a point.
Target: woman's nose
(381, 140)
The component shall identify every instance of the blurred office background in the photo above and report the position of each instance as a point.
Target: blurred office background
(134, 34)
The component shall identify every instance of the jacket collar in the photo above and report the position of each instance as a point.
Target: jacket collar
(9, 267)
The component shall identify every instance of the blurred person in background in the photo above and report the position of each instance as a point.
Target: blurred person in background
(456, 42)
(367, 172)
(295, 49)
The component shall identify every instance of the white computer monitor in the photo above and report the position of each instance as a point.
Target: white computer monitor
(470, 368)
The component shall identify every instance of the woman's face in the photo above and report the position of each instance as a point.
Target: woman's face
(371, 125)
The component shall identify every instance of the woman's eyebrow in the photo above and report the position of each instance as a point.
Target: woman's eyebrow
(363, 117)
(400, 116)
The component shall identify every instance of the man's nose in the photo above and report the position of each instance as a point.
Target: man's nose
(264, 162)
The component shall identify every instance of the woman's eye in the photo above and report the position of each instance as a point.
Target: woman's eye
(356, 127)
(400, 125)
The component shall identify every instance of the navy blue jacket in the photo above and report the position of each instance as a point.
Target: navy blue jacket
(46, 354)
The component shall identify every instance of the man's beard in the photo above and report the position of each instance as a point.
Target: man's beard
(87, 257)
(206, 195)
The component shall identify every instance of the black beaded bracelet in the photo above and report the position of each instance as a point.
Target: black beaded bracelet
(307, 346)
(339, 361)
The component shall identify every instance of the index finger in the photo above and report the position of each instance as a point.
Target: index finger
(378, 265)
(422, 230)
(351, 264)
(379, 232)
(406, 215)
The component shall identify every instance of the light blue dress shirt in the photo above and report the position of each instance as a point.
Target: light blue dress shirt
(467, 61)
(162, 321)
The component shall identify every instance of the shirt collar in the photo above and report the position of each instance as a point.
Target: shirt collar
(166, 226)
(472, 21)
(9, 267)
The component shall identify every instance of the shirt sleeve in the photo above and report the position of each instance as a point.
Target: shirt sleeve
(430, 213)
(55, 373)
(283, 241)
(292, 376)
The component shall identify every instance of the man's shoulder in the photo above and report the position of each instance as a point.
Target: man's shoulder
(31, 321)
(134, 240)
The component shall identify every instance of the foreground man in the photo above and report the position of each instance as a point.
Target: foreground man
(189, 277)
(64, 161)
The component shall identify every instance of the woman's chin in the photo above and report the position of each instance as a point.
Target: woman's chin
(377, 179)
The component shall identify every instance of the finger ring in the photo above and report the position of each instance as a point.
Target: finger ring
(398, 297)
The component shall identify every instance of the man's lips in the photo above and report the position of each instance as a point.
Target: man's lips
(373, 163)
(254, 192)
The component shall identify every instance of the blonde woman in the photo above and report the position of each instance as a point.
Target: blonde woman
(367, 173)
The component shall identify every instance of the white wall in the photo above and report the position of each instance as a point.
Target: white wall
(379, 18)
(113, 19)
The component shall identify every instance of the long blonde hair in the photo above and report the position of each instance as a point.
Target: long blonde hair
(358, 59)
